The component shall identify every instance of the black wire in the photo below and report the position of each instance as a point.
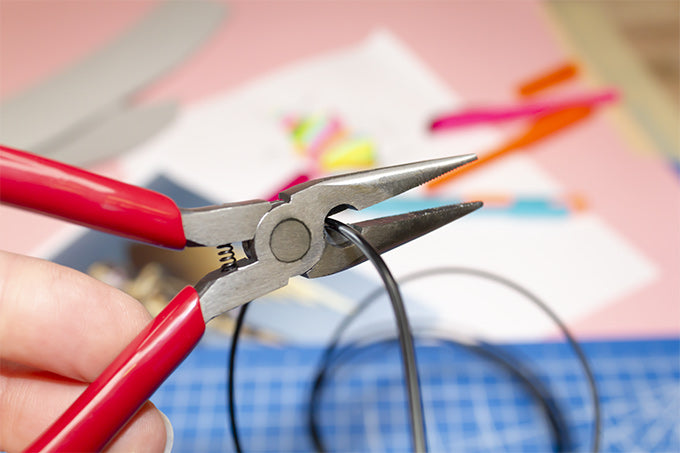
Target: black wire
(533, 385)
(405, 341)
(592, 385)
(230, 379)
(405, 337)
(335, 338)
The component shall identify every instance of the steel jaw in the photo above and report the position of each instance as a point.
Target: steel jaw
(384, 234)
(291, 239)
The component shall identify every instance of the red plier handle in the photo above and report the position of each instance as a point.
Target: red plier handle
(116, 395)
(42, 185)
(285, 238)
(38, 184)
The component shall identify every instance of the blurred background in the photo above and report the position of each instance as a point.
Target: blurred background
(651, 31)
(573, 110)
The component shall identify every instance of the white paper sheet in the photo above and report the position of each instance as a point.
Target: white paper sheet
(234, 147)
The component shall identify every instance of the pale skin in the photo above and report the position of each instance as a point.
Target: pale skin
(58, 330)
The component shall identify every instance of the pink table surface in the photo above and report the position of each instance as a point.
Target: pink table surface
(482, 49)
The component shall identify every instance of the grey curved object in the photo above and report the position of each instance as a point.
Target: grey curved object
(62, 107)
(118, 133)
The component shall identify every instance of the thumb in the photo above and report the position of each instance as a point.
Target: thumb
(148, 431)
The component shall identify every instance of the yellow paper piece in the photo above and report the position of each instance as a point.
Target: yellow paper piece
(351, 154)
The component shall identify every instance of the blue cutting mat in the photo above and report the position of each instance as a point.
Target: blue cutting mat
(471, 404)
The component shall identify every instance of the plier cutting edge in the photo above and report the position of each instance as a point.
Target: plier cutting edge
(281, 239)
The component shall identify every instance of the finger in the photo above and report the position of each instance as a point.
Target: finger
(60, 320)
(148, 431)
(31, 401)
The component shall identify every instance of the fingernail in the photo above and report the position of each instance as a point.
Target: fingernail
(170, 433)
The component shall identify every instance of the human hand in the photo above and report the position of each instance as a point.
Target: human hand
(59, 329)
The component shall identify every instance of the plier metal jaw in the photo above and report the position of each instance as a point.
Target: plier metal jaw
(290, 238)
(282, 239)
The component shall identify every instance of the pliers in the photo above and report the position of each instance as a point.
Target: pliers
(281, 239)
